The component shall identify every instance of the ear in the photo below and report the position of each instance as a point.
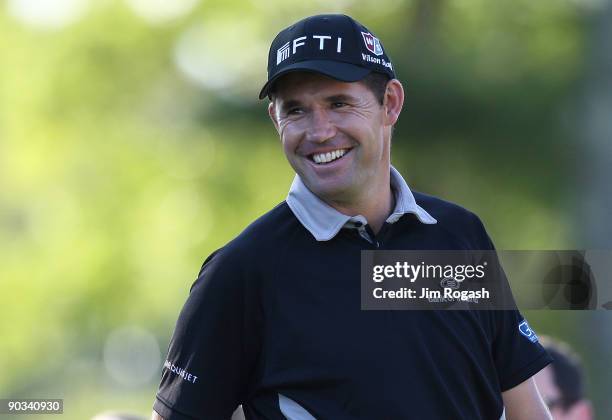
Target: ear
(393, 101)
(272, 114)
(582, 410)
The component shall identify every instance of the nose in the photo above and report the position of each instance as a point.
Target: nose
(320, 127)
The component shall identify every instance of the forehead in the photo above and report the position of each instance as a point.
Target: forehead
(301, 85)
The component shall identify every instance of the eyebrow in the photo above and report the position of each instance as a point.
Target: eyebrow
(340, 98)
(290, 103)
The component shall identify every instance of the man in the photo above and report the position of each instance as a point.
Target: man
(561, 384)
(274, 322)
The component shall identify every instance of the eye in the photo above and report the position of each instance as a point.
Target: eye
(294, 111)
(338, 104)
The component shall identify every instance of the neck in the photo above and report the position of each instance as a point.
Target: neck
(375, 206)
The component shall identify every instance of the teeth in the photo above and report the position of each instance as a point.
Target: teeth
(329, 156)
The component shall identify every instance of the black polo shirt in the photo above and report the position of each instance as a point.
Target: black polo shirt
(273, 322)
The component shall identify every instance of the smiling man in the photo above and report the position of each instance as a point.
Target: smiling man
(274, 319)
(334, 136)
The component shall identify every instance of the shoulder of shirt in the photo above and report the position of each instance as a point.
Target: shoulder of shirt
(455, 219)
(260, 240)
(443, 211)
(273, 226)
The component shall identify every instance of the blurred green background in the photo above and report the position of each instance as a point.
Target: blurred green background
(132, 145)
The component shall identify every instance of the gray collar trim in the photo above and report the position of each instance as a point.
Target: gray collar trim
(324, 222)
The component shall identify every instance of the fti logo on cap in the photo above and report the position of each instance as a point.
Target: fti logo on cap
(286, 50)
(282, 53)
(372, 43)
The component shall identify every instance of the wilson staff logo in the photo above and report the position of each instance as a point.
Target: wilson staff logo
(372, 43)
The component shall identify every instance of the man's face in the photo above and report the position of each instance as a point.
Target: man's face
(551, 394)
(335, 135)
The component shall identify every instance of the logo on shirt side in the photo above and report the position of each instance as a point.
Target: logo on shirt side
(528, 332)
(180, 372)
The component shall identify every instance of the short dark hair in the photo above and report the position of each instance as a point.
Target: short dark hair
(376, 82)
(567, 371)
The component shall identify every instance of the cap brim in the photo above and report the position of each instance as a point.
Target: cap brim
(345, 72)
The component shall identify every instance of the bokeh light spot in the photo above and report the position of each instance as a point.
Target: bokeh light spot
(47, 14)
(161, 11)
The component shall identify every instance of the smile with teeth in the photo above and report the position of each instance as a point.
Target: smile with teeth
(329, 156)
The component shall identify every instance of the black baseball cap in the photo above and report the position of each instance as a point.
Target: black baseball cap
(334, 45)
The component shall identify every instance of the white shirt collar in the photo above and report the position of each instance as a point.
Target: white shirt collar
(324, 222)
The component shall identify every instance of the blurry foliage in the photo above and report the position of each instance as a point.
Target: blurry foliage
(119, 173)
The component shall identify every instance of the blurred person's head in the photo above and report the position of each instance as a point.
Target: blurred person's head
(561, 383)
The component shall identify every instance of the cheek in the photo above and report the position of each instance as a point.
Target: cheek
(288, 149)
(290, 136)
(364, 134)
(364, 124)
